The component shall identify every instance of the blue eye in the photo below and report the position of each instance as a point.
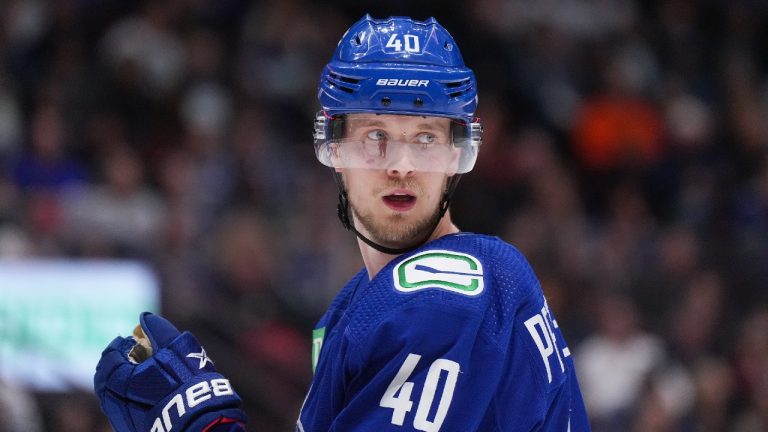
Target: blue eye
(425, 138)
(377, 135)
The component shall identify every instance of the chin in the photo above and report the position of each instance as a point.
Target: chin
(402, 232)
(395, 228)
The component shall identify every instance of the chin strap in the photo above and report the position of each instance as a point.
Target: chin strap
(346, 220)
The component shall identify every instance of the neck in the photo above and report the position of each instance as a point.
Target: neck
(374, 260)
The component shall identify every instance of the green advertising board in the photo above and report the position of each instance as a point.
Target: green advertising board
(57, 316)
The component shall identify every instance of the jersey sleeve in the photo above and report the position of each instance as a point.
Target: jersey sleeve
(540, 392)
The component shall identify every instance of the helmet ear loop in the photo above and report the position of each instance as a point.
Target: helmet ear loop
(450, 187)
(342, 208)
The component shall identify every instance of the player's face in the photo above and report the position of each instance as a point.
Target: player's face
(396, 201)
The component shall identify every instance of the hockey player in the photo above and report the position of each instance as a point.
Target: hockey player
(442, 330)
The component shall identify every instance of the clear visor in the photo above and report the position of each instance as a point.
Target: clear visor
(397, 142)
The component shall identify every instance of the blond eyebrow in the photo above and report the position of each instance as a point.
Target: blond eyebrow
(361, 123)
(369, 122)
(427, 126)
(379, 123)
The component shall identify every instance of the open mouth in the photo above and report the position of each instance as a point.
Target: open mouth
(399, 201)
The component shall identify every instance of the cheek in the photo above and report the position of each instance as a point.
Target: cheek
(357, 183)
(434, 186)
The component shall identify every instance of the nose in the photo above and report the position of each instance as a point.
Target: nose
(401, 164)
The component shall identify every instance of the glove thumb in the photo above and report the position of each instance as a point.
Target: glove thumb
(158, 330)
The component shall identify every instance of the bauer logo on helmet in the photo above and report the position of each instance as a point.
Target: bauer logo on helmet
(390, 82)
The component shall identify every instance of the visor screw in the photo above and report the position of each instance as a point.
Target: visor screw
(386, 101)
(418, 102)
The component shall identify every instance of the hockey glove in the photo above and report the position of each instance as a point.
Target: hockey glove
(161, 380)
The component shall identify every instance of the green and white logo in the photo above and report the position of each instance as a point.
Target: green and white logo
(452, 271)
(318, 335)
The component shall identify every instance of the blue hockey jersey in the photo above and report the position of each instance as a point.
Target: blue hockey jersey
(453, 336)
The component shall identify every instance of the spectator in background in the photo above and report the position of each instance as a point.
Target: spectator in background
(618, 132)
(44, 175)
(696, 326)
(752, 366)
(19, 410)
(48, 167)
(672, 264)
(279, 65)
(179, 262)
(119, 217)
(76, 413)
(614, 363)
(10, 120)
(714, 387)
(551, 225)
(147, 44)
(258, 342)
(748, 223)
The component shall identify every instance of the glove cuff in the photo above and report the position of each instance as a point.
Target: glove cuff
(196, 403)
(231, 420)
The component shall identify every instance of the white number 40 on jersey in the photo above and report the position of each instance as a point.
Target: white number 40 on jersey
(398, 395)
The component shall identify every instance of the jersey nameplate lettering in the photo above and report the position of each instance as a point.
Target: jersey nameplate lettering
(541, 327)
(452, 271)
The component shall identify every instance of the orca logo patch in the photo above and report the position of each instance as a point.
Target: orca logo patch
(453, 271)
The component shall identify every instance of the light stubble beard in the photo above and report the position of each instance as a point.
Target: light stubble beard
(394, 230)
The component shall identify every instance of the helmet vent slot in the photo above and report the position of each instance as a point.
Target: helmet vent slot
(455, 84)
(345, 79)
(458, 88)
(338, 81)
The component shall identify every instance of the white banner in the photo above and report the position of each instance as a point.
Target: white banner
(57, 316)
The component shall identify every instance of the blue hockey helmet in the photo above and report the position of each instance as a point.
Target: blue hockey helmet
(398, 66)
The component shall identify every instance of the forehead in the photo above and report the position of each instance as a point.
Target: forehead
(397, 121)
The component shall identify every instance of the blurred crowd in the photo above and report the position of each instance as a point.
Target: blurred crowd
(625, 153)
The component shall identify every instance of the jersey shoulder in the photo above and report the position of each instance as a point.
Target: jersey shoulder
(510, 281)
(506, 272)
